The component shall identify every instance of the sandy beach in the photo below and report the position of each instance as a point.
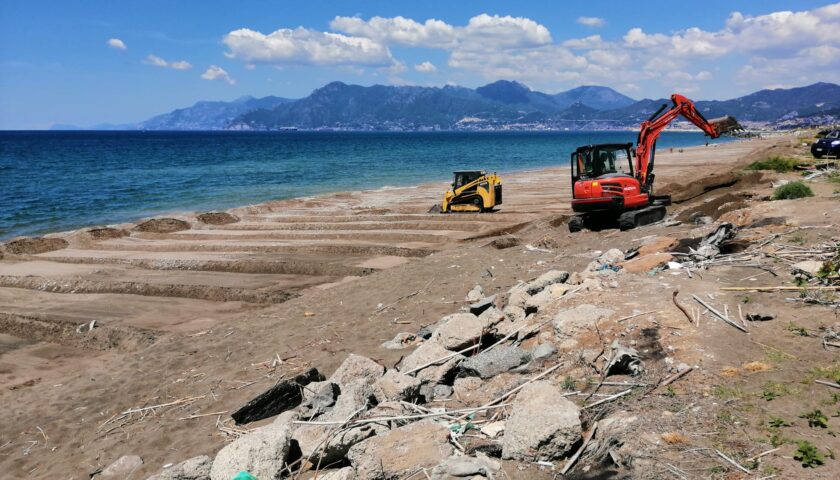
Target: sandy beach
(211, 315)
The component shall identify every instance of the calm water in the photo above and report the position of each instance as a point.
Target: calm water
(52, 181)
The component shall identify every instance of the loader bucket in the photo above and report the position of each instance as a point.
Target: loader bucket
(726, 124)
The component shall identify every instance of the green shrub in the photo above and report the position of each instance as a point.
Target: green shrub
(792, 190)
(776, 163)
(808, 454)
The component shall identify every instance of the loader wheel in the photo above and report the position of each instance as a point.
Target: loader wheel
(576, 224)
(479, 204)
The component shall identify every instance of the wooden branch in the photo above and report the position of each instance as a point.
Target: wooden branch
(363, 421)
(733, 462)
(628, 317)
(577, 454)
(682, 309)
(718, 314)
(827, 383)
(609, 399)
(780, 288)
(675, 376)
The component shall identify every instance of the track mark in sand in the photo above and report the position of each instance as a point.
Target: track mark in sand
(192, 246)
(370, 235)
(200, 292)
(356, 226)
(67, 332)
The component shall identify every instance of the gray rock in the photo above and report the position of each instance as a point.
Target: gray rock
(123, 467)
(543, 425)
(548, 278)
(196, 468)
(463, 466)
(475, 294)
(514, 313)
(425, 332)
(357, 367)
(345, 473)
(480, 306)
(492, 316)
(428, 352)
(459, 330)
(323, 398)
(401, 451)
(442, 391)
(396, 386)
(493, 362)
(283, 396)
(518, 296)
(262, 452)
(543, 351)
(570, 322)
(400, 341)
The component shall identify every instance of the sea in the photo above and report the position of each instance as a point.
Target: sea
(56, 181)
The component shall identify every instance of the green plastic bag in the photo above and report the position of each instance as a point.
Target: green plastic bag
(244, 476)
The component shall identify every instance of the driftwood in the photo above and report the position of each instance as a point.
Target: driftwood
(628, 317)
(718, 314)
(827, 383)
(733, 462)
(682, 309)
(675, 376)
(609, 399)
(586, 441)
(363, 421)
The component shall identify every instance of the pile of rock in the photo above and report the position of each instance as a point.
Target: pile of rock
(369, 422)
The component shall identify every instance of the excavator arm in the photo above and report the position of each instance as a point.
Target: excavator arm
(653, 127)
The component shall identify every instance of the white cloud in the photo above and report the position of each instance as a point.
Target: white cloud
(159, 62)
(592, 41)
(302, 46)
(426, 67)
(591, 21)
(116, 44)
(215, 72)
(398, 30)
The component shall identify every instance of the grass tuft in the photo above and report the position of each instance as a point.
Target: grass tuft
(792, 190)
(775, 163)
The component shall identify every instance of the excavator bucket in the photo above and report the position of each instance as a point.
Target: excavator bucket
(726, 124)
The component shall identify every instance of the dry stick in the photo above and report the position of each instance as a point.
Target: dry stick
(608, 399)
(776, 349)
(682, 309)
(628, 317)
(675, 376)
(827, 383)
(768, 452)
(580, 450)
(718, 314)
(511, 392)
(733, 462)
(401, 417)
(203, 415)
(772, 288)
(176, 402)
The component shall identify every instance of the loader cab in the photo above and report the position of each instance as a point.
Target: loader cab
(603, 161)
(465, 177)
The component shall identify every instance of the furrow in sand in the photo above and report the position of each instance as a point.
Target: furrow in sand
(355, 226)
(434, 218)
(200, 292)
(377, 236)
(73, 332)
(254, 247)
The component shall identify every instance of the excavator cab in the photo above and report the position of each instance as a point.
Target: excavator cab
(473, 191)
(605, 160)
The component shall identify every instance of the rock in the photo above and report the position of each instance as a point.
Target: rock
(442, 391)
(518, 296)
(658, 245)
(480, 306)
(570, 322)
(704, 220)
(162, 225)
(425, 353)
(612, 256)
(548, 278)
(623, 361)
(507, 241)
(196, 468)
(284, 396)
(646, 263)
(473, 391)
(514, 313)
(811, 267)
(463, 466)
(425, 332)
(493, 429)
(396, 386)
(262, 452)
(482, 446)
(543, 351)
(459, 330)
(474, 295)
(400, 452)
(490, 363)
(217, 218)
(322, 399)
(538, 301)
(35, 245)
(492, 316)
(345, 473)
(122, 468)
(357, 367)
(543, 425)
(107, 233)
(400, 341)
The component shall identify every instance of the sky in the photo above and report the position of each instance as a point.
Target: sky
(92, 62)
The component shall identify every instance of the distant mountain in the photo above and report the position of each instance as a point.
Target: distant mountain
(209, 115)
(773, 105)
(599, 98)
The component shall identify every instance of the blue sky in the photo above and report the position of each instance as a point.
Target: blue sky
(89, 62)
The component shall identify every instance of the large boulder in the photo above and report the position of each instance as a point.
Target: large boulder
(402, 451)
(123, 468)
(396, 386)
(357, 367)
(548, 278)
(543, 425)
(196, 468)
(460, 330)
(428, 352)
(261, 452)
(493, 362)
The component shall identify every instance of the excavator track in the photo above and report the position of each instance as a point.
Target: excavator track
(640, 217)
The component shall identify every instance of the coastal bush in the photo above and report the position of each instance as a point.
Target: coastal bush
(792, 190)
(776, 163)
(808, 455)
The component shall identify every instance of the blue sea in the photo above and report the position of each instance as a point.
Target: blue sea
(54, 181)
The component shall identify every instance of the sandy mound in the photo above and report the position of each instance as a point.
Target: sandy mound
(106, 233)
(35, 245)
(217, 218)
(162, 225)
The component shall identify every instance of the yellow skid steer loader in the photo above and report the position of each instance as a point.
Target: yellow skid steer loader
(473, 191)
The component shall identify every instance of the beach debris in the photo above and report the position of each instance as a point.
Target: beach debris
(401, 452)
(543, 424)
(86, 327)
(718, 314)
(123, 467)
(162, 225)
(490, 363)
(474, 295)
(759, 317)
(261, 452)
(623, 361)
(283, 396)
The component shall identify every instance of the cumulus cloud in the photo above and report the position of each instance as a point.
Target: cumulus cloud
(302, 46)
(116, 44)
(398, 30)
(215, 72)
(159, 62)
(426, 67)
(591, 21)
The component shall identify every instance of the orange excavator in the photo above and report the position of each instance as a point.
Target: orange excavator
(614, 182)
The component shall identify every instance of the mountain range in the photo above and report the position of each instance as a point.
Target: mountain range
(499, 105)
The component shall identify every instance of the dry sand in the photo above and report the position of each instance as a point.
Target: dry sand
(204, 312)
